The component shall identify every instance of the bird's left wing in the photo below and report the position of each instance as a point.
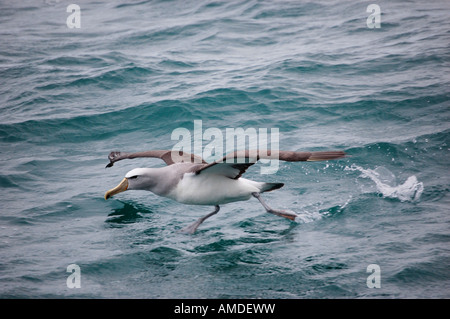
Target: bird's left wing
(288, 156)
(231, 170)
(234, 164)
(168, 156)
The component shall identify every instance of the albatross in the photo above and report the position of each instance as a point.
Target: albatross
(188, 179)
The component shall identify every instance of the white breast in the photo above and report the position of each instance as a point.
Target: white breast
(212, 189)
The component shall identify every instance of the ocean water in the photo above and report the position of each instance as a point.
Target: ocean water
(135, 71)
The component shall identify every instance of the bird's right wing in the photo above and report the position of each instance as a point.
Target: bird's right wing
(168, 156)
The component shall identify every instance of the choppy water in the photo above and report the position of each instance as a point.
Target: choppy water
(137, 70)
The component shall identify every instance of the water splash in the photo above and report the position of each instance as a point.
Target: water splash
(313, 215)
(386, 183)
(308, 217)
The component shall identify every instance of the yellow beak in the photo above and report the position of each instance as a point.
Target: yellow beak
(123, 186)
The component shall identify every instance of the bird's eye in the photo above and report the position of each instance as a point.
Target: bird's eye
(133, 177)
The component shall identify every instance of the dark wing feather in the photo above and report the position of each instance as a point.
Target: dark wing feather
(168, 156)
(234, 164)
(310, 156)
(231, 170)
(288, 156)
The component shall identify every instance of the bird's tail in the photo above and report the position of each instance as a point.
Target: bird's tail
(267, 187)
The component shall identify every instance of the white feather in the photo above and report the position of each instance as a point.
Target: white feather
(212, 189)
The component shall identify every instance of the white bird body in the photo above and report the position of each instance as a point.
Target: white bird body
(212, 189)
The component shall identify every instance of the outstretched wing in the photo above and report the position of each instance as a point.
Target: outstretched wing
(168, 156)
(231, 170)
(288, 156)
(234, 164)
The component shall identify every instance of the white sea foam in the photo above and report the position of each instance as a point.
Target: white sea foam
(386, 183)
(316, 214)
(308, 217)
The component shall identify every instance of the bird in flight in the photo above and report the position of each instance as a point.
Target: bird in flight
(188, 179)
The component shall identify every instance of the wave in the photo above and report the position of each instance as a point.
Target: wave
(386, 184)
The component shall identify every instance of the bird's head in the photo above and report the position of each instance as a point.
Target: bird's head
(138, 178)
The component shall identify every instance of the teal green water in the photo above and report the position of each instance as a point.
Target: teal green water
(135, 71)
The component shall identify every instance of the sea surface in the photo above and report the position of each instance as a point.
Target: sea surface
(135, 71)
